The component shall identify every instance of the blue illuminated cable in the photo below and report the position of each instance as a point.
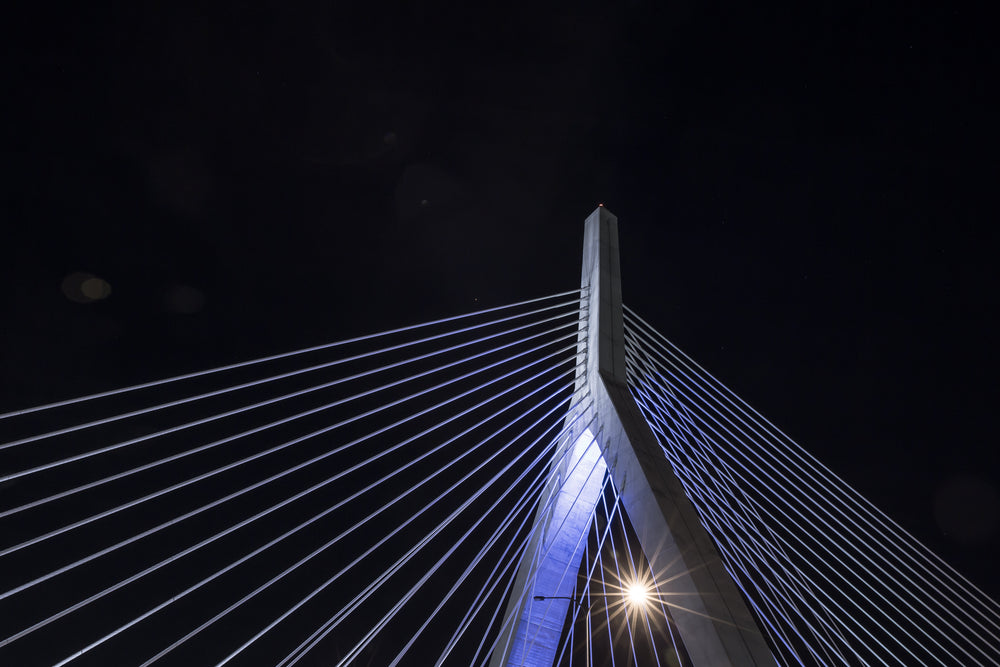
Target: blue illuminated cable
(570, 637)
(649, 632)
(284, 473)
(476, 560)
(606, 540)
(365, 521)
(736, 557)
(448, 595)
(578, 595)
(326, 629)
(712, 517)
(679, 467)
(273, 378)
(498, 573)
(510, 573)
(217, 536)
(204, 542)
(678, 605)
(616, 560)
(241, 524)
(634, 574)
(331, 542)
(573, 620)
(602, 540)
(624, 610)
(599, 462)
(658, 597)
(586, 588)
(669, 624)
(720, 468)
(793, 582)
(510, 563)
(540, 477)
(289, 443)
(598, 564)
(520, 601)
(932, 609)
(851, 599)
(205, 420)
(314, 348)
(505, 559)
(893, 552)
(607, 607)
(865, 506)
(549, 605)
(259, 429)
(334, 619)
(332, 623)
(726, 547)
(606, 534)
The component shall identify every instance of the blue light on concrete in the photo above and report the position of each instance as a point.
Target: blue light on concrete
(557, 559)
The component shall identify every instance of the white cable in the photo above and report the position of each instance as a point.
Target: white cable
(855, 544)
(238, 525)
(284, 355)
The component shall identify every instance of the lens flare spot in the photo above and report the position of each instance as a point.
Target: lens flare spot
(83, 287)
(95, 288)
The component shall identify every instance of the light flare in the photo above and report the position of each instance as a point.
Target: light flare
(637, 594)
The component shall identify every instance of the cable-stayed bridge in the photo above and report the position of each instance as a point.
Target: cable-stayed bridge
(550, 482)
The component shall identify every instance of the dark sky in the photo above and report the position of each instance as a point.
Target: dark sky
(805, 194)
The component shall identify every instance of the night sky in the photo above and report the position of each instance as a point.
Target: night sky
(806, 199)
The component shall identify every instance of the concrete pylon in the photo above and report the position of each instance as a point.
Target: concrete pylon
(712, 618)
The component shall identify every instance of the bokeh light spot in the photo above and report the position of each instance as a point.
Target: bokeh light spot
(95, 288)
(82, 287)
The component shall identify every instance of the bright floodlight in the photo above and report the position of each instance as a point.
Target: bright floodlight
(637, 594)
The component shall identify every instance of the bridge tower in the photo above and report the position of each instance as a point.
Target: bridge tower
(713, 620)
